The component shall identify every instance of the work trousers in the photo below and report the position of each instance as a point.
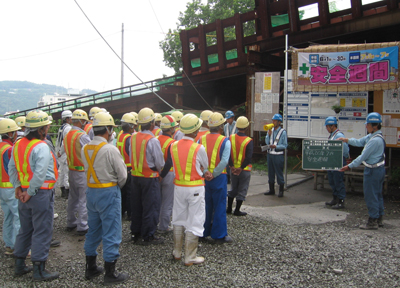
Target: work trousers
(11, 224)
(275, 166)
(189, 209)
(167, 188)
(104, 218)
(36, 217)
(240, 185)
(76, 210)
(336, 181)
(145, 201)
(126, 195)
(63, 171)
(373, 182)
(215, 195)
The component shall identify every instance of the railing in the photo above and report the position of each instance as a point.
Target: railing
(101, 97)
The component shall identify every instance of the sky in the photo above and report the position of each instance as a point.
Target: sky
(51, 42)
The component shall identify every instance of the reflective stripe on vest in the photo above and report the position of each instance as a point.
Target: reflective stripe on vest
(88, 127)
(91, 172)
(4, 178)
(22, 151)
(184, 154)
(212, 143)
(238, 155)
(381, 162)
(121, 140)
(201, 134)
(278, 136)
(156, 131)
(165, 142)
(140, 168)
(74, 159)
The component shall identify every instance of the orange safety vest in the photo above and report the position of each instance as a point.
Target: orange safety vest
(4, 178)
(121, 140)
(212, 143)
(73, 150)
(22, 151)
(184, 154)
(176, 130)
(201, 134)
(156, 131)
(88, 127)
(140, 168)
(238, 152)
(91, 172)
(165, 143)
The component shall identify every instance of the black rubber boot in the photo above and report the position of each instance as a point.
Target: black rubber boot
(237, 210)
(20, 267)
(92, 270)
(380, 221)
(339, 205)
(112, 277)
(66, 193)
(271, 189)
(63, 193)
(230, 202)
(372, 224)
(41, 274)
(281, 188)
(334, 201)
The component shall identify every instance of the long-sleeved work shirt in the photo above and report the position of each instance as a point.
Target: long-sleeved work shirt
(373, 149)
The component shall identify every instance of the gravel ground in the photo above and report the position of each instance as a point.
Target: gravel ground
(264, 254)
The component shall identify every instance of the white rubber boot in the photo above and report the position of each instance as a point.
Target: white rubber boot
(191, 244)
(178, 242)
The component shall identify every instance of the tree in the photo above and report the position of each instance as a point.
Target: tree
(197, 13)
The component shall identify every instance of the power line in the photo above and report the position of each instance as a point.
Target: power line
(121, 59)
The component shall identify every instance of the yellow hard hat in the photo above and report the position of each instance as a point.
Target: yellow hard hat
(20, 121)
(79, 114)
(177, 115)
(158, 117)
(205, 114)
(8, 125)
(190, 123)
(242, 122)
(168, 122)
(37, 118)
(103, 119)
(216, 119)
(93, 111)
(146, 115)
(129, 118)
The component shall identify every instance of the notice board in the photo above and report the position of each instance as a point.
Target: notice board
(322, 154)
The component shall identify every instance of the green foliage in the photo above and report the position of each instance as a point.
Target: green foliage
(395, 177)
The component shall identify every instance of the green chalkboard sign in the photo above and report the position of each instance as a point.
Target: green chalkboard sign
(322, 154)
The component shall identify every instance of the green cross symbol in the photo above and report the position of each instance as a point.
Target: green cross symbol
(304, 68)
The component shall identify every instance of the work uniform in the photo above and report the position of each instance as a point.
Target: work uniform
(242, 151)
(62, 160)
(373, 158)
(167, 186)
(230, 129)
(203, 131)
(147, 161)
(189, 202)
(218, 149)
(75, 139)
(33, 167)
(336, 178)
(157, 131)
(89, 130)
(276, 157)
(9, 204)
(178, 135)
(105, 175)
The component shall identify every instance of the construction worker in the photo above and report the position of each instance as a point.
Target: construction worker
(277, 141)
(136, 116)
(229, 129)
(88, 127)
(21, 123)
(75, 139)
(373, 158)
(8, 132)
(167, 186)
(177, 116)
(106, 174)
(157, 130)
(128, 123)
(33, 173)
(188, 213)
(147, 161)
(240, 163)
(336, 178)
(63, 182)
(204, 130)
(218, 149)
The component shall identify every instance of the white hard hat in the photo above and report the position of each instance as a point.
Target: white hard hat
(66, 114)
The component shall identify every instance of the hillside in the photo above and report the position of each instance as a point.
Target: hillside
(22, 95)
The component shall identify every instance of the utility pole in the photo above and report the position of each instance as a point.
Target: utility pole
(122, 57)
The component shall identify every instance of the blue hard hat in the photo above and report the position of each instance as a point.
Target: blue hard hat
(374, 117)
(229, 114)
(330, 121)
(277, 117)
